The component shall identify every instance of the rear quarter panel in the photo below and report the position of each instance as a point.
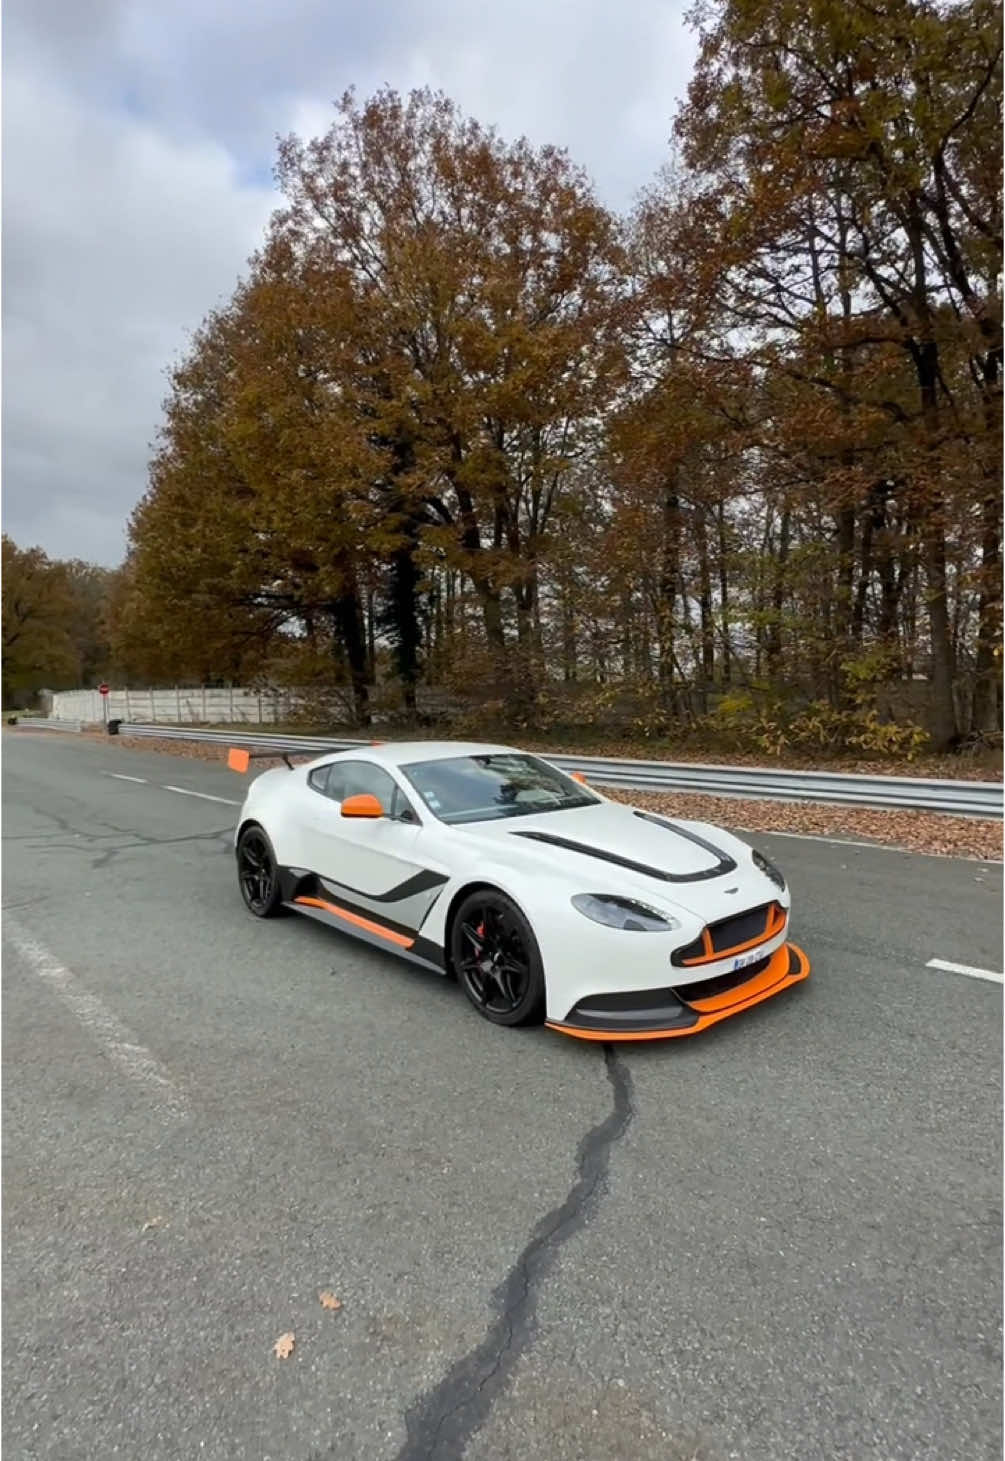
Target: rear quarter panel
(275, 800)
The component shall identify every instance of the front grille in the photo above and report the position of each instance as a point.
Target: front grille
(739, 929)
(730, 933)
(709, 988)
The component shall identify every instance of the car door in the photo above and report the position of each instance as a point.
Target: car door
(370, 865)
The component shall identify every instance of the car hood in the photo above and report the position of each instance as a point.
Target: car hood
(612, 848)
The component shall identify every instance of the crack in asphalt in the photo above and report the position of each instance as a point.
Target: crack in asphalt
(88, 840)
(441, 1422)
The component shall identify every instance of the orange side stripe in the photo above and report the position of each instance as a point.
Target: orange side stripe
(712, 957)
(704, 1022)
(392, 936)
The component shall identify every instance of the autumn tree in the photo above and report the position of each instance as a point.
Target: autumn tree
(487, 280)
(40, 625)
(848, 208)
(460, 428)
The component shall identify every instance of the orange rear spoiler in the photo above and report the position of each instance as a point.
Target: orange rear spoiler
(238, 759)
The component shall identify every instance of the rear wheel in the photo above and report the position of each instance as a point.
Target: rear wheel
(257, 873)
(497, 960)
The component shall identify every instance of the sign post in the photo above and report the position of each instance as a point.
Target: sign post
(103, 692)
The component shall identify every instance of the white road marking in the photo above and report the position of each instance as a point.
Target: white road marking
(116, 1040)
(203, 795)
(872, 846)
(118, 776)
(968, 969)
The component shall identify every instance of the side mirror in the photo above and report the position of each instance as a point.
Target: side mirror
(363, 805)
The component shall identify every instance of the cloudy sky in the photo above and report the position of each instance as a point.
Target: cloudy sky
(138, 142)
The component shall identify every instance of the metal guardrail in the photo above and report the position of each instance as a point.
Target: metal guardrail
(963, 798)
(36, 723)
(300, 745)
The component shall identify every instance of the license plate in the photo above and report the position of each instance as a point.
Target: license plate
(745, 959)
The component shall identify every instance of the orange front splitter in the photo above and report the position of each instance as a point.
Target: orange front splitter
(764, 985)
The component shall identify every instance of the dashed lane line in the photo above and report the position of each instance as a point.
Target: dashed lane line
(968, 969)
(203, 795)
(869, 846)
(181, 790)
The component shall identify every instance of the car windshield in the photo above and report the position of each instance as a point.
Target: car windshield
(484, 788)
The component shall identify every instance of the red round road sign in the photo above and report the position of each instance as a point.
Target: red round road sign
(102, 689)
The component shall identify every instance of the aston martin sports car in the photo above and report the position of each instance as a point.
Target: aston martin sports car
(544, 899)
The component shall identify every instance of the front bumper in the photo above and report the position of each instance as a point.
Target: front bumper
(659, 1014)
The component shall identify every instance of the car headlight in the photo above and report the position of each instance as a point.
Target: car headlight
(624, 913)
(767, 867)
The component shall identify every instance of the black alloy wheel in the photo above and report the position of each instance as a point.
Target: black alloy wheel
(496, 958)
(257, 873)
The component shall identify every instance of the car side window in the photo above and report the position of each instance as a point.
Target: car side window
(361, 778)
(318, 779)
(401, 808)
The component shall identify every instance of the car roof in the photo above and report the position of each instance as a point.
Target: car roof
(407, 753)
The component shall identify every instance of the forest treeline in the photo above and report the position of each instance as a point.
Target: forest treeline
(55, 622)
(463, 436)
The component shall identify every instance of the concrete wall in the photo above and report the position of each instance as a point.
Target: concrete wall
(179, 707)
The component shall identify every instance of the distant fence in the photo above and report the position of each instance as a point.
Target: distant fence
(183, 706)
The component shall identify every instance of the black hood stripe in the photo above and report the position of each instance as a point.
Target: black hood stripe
(724, 865)
(727, 862)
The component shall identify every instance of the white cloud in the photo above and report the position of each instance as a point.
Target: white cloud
(139, 140)
(118, 241)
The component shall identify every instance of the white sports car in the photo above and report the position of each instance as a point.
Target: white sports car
(546, 900)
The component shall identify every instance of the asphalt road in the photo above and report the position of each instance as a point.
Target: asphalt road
(781, 1239)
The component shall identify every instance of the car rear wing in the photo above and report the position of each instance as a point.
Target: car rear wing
(238, 759)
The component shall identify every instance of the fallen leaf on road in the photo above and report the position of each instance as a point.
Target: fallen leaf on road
(154, 1222)
(329, 1301)
(283, 1346)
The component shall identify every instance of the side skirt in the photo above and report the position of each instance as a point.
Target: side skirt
(416, 950)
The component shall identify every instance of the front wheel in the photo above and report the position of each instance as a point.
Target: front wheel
(257, 873)
(497, 960)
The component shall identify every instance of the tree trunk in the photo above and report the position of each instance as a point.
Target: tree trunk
(568, 634)
(933, 552)
(865, 573)
(941, 673)
(404, 616)
(987, 713)
(669, 569)
(843, 604)
(492, 617)
(720, 516)
(773, 638)
(348, 614)
(371, 635)
(705, 605)
(626, 634)
(928, 496)
(987, 684)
